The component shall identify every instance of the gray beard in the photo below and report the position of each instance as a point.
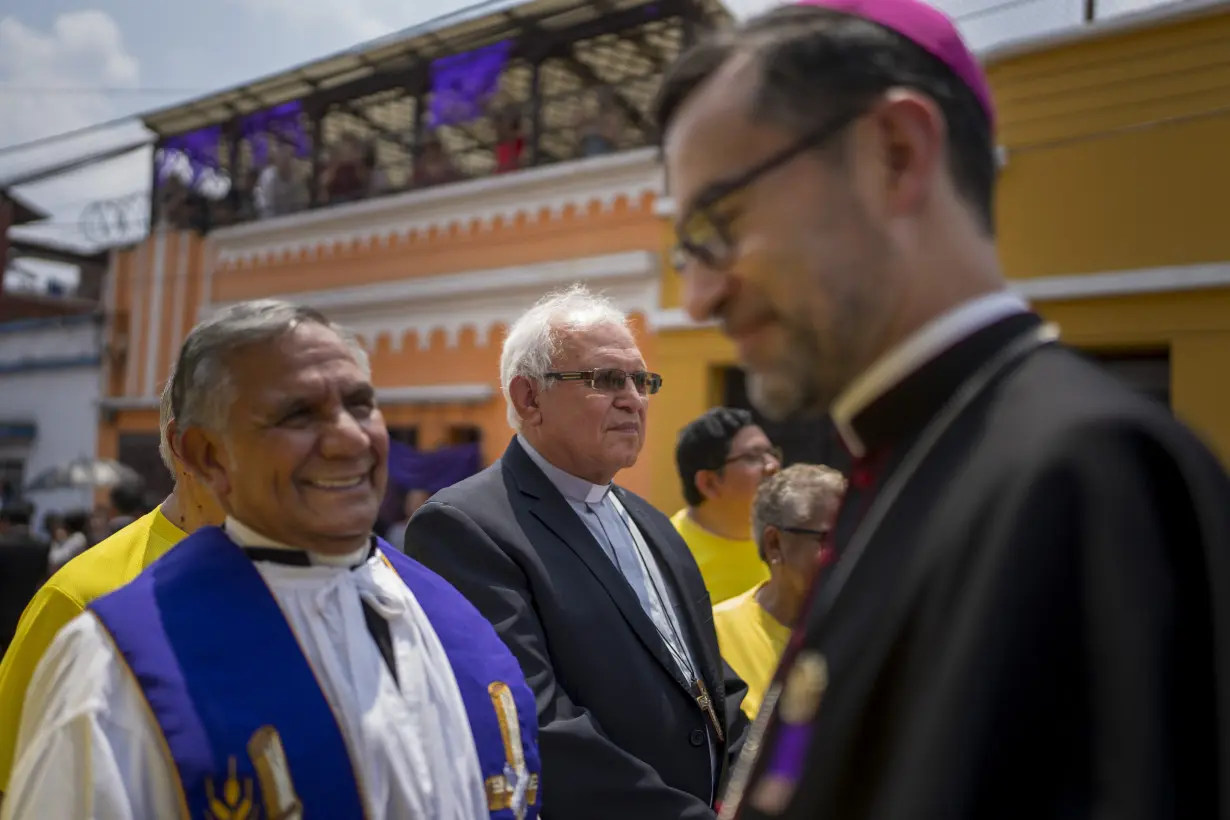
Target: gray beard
(775, 399)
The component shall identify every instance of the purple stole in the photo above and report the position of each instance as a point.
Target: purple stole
(246, 725)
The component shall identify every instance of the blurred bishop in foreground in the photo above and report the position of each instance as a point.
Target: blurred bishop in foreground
(288, 664)
(1029, 611)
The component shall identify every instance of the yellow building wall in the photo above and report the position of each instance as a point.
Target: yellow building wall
(1117, 160)
(1116, 152)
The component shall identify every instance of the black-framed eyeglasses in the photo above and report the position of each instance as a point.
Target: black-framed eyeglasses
(704, 231)
(757, 457)
(612, 380)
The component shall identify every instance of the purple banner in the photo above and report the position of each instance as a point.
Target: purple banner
(282, 122)
(199, 148)
(462, 83)
(411, 469)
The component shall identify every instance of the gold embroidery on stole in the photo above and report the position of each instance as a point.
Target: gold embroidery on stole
(514, 789)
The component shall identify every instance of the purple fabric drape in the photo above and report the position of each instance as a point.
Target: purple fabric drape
(411, 469)
(282, 122)
(461, 83)
(200, 148)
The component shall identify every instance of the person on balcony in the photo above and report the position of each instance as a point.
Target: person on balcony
(346, 176)
(601, 127)
(281, 188)
(433, 165)
(510, 140)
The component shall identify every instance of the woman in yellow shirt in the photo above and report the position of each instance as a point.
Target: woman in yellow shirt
(791, 516)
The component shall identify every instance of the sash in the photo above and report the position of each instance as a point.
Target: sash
(501, 706)
(245, 722)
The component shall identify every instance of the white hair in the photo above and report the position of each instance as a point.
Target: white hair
(534, 340)
(794, 496)
(165, 414)
(201, 391)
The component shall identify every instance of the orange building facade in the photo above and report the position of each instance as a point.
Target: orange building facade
(429, 279)
(1112, 221)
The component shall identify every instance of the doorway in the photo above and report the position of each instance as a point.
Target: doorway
(1145, 371)
(808, 439)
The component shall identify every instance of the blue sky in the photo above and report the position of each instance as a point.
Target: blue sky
(65, 64)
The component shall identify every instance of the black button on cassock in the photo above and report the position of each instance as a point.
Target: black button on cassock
(697, 738)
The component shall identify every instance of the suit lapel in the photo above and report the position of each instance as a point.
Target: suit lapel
(672, 564)
(549, 506)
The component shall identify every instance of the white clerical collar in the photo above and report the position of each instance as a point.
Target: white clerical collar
(570, 486)
(921, 347)
(245, 536)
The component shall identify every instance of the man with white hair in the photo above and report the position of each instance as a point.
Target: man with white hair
(592, 588)
(288, 664)
(103, 568)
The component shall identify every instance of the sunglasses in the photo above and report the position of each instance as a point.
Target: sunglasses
(611, 380)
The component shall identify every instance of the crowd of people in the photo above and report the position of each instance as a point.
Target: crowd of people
(351, 167)
(1015, 604)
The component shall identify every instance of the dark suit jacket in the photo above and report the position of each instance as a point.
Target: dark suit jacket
(1040, 627)
(23, 568)
(621, 736)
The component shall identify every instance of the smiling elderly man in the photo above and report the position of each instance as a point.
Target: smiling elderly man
(590, 586)
(289, 662)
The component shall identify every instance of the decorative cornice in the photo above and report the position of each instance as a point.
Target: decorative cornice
(466, 393)
(1153, 16)
(676, 318)
(33, 341)
(481, 299)
(129, 403)
(1124, 282)
(1106, 284)
(532, 194)
(436, 394)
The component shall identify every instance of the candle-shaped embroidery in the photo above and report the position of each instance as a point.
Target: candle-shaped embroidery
(515, 774)
(273, 772)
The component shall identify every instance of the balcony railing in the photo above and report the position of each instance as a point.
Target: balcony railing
(534, 98)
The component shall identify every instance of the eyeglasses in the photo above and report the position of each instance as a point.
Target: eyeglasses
(704, 231)
(758, 457)
(612, 380)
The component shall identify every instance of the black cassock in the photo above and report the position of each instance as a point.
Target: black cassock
(1038, 627)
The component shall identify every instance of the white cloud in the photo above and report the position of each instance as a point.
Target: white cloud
(346, 22)
(81, 50)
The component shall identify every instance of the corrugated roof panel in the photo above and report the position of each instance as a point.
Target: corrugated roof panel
(459, 31)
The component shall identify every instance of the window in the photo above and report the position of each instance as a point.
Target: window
(1146, 371)
(810, 440)
(140, 452)
(12, 476)
(408, 436)
(464, 434)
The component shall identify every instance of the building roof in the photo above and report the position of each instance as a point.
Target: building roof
(1151, 17)
(23, 212)
(464, 30)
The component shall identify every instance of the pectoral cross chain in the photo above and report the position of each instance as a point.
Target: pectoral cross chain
(706, 705)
